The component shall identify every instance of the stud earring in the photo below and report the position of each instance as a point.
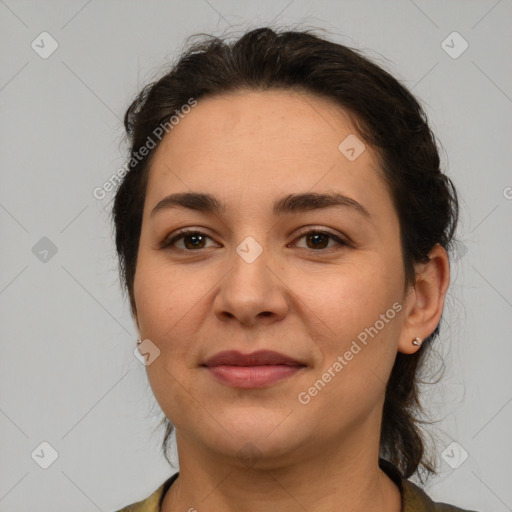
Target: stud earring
(139, 341)
(416, 342)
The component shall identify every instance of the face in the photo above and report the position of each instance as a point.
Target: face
(320, 281)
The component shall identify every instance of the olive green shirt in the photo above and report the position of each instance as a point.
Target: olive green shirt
(414, 499)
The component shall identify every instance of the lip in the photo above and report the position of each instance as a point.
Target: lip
(259, 358)
(255, 370)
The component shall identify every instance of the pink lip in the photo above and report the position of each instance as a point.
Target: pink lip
(255, 370)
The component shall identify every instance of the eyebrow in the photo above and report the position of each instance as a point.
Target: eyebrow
(291, 203)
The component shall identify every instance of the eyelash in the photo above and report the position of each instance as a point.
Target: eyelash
(168, 243)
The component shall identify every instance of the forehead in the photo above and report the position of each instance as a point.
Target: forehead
(266, 143)
(225, 124)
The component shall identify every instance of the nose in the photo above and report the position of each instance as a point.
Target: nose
(252, 292)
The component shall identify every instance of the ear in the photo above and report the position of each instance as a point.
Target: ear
(425, 301)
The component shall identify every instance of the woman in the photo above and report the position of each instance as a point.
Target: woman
(283, 233)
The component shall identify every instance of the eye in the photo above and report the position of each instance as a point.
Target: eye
(192, 240)
(317, 239)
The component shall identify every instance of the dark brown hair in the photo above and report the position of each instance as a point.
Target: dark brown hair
(384, 113)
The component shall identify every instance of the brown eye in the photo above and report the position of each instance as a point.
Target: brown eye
(191, 240)
(317, 240)
(195, 241)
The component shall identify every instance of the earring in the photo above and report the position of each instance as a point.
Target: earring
(139, 341)
(416, 342)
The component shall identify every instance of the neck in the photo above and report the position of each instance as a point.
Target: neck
(314, 478)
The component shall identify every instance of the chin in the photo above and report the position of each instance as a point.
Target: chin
(258, 442)
(258, 453)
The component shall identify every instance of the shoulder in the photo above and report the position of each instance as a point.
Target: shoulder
(416, 500)
(151, 503)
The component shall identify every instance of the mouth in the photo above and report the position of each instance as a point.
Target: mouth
(256, 370)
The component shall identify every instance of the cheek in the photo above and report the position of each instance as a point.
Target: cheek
(355, 329)
(166, 304)
(354, 313)
(347, 298)
(165, 295)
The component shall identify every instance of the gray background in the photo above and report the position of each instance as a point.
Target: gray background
(68, 373)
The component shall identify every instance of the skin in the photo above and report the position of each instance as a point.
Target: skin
(248, 149)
